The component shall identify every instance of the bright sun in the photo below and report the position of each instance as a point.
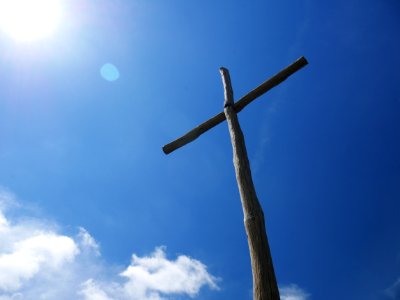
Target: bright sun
(29, 20)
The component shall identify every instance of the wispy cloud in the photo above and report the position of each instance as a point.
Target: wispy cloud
(38, 262)
(293, 292)
(88, 242)
(393, 292)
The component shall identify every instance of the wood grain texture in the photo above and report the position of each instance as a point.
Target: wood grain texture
(238, 106)
(265, 286)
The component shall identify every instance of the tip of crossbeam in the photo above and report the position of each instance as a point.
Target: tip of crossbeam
(166, 149)
(304, 60)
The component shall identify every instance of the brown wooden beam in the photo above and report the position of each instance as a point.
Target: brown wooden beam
(238, 106)
(265, 286)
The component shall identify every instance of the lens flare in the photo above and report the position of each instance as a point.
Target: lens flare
(109, 72)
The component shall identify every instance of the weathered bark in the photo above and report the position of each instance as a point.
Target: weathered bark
(238, 106)
(264, 282)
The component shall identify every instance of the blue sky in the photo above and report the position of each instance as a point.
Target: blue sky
(82, 170)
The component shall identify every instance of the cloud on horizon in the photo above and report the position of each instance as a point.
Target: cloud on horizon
(38, 262)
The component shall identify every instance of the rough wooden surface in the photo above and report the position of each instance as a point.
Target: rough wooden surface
(238, 106)
(264, 282)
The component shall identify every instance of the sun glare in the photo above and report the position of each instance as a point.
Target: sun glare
(29, 20)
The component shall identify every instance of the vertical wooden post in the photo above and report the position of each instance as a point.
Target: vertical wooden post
(264, 282)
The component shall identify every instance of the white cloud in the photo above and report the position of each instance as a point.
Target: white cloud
(153, 277)
(149, 277)
(41, 252)
(91, 291)
(293, 292)
(37, 262)
(27, 249)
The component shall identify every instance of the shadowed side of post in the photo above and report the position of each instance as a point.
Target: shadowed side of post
(238, 106)
(264, 281)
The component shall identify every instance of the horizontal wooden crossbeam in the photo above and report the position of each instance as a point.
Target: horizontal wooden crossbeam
(238, 106)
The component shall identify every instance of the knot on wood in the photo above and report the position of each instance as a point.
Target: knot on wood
(250, 218)
(228, 104)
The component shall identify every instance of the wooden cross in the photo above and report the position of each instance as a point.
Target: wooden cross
(265, 286)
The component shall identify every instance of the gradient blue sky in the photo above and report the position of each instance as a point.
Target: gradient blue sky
(324, 145)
